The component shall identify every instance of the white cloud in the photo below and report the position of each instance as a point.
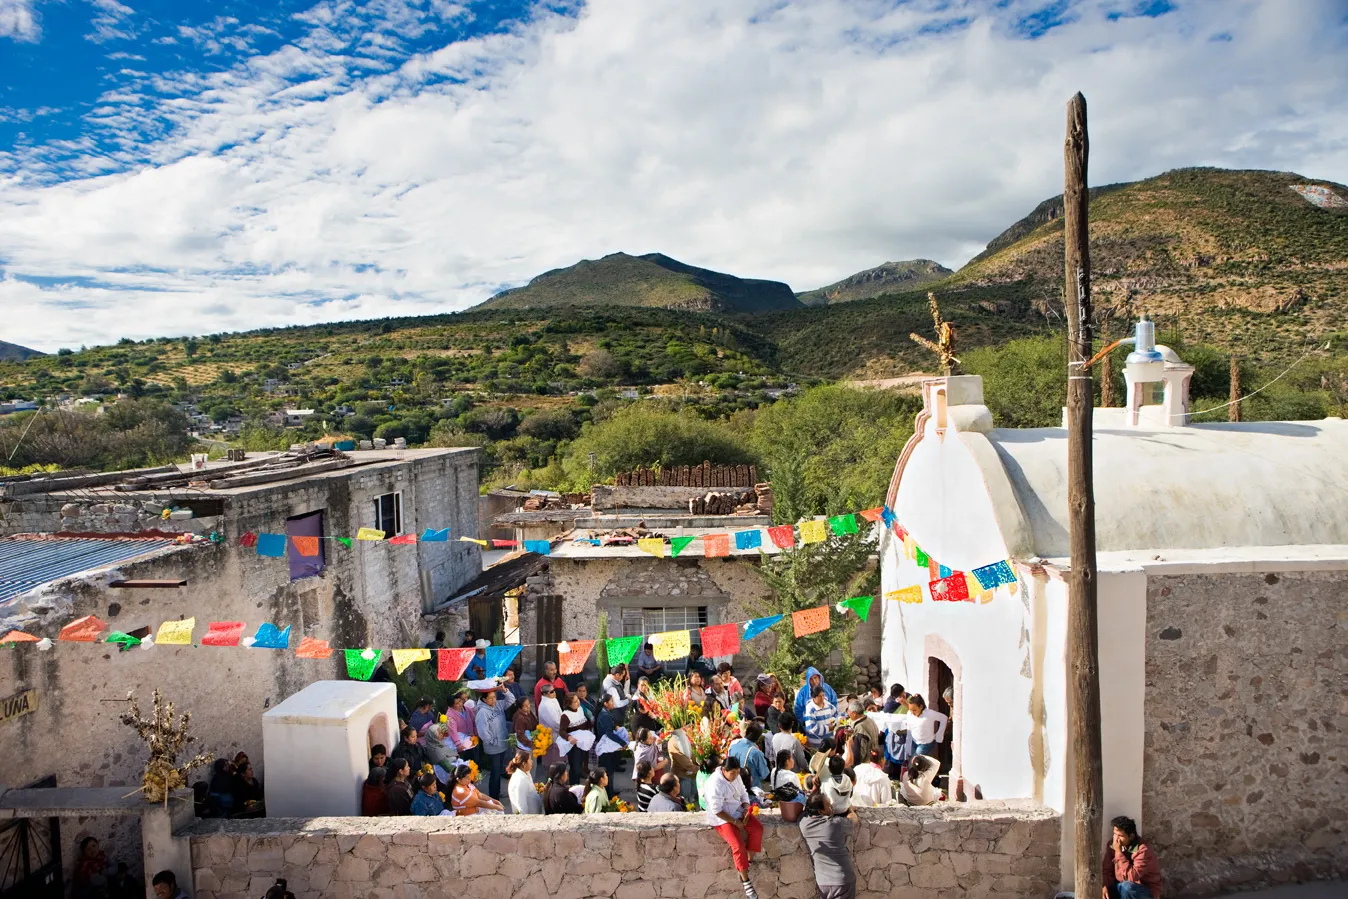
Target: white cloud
(334, 178)
(19, 21)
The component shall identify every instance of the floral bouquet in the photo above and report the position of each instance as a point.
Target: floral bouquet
(670, 707)
(617, 805)
(710, 735)
(541, 737)
(801, 737)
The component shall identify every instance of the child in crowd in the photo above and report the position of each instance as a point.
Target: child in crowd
(785, 772)
(596, 792)
(837, 787)
(646, 788)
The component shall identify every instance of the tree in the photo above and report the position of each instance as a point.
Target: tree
(814, 575)
(600, 365)
(638, 435)
(1024, 381)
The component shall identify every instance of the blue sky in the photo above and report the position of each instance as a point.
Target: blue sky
(190, 167)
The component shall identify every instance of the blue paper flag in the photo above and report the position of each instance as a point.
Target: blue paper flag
(271, 545)
(994, 575)
(499, 659)
(945, 572)
(887, 516)
(268, 637)
(431, 535)
(748, 539)
(758, 625)
(542, 547)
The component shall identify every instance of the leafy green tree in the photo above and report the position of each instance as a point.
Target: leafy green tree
(639, 435)
(1024, 381)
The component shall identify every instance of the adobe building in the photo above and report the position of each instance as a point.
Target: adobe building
(1223, 598)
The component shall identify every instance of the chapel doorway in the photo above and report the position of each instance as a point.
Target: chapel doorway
(940, 685)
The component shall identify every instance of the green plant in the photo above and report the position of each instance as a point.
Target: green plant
(601, 647)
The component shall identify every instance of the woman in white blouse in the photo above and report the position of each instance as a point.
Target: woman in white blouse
(926, 727)
(524, 798)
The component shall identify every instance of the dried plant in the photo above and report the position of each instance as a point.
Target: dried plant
(166, 741)
(944, 345)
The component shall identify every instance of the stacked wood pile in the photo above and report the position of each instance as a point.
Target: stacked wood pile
(704, 475)
(757, 501)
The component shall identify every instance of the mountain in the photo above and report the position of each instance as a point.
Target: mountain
(650, 280)
(12, 352)
(891, 277)
(1253, 262)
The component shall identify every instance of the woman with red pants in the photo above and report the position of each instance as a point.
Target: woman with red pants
(728, 810)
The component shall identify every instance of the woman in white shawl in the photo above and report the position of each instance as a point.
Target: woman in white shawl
(873, 788)
(524, 797)
(550, 716)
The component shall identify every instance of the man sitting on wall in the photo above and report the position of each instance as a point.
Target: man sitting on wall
(1131, 870)
(646, 664)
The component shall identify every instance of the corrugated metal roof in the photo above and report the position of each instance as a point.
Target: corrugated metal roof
(25, 564)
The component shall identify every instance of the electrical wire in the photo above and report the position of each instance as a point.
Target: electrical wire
(23, 435)
(1253, 392)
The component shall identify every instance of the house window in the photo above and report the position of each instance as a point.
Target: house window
(388, 514)
(647, 620)
(310, 529)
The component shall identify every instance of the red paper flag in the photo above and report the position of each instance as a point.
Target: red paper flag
(950, 589)
(901, 532)
(311, 648)
(573, 660)
(305, 546)
(83, 630)
(714, 545)
(223, 633)
(403, 539)
(810, 621)
(783, 536)
(502, 544)
(721, 640)
(248, 539)
(450, 663)
(873, 514)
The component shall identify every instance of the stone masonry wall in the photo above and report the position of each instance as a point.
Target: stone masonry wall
(1246, 767)
(978, 851)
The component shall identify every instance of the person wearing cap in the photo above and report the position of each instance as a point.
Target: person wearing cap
(549, 677)
(646, 664)
(477, 666)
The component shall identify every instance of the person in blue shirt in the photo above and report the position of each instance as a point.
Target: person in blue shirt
(812, 679)
(750, 757)
(427, 802)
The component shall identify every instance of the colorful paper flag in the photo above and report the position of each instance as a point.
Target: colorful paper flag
(403, 539)
(620, 650)
(813, 531)
(756, 626)
(994, 575)
(451, 663)
(83, 630)
(843, 524)
(305, 546)
(404, 657)
(360, 663)
(125, 640)
(715, 545)
(18, 637)
(313, 648)
(248, 539)
(273, 545)
(431, 535)
(678, 545)
(920, 557)
(502, 544)
(783, 536)
(909, 547)
(369, 534)
(670, 645)
(933, 569)
(911, 594)
(345, 541)
(888, 517)
(810, 621)
(873, 515)
(748, 539)
(943, 571)
(859, 604)
(949, 589)
(542, 547)
(482, 543)
(268, 636)
(176, 633)
(721, 640)
(499, 659)
(573, 660)
(223, 633)
(653, 545)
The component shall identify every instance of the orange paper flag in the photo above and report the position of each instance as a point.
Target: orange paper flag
(311, 648)
(873, 514)
(810, 621)
(18, 637)
(714, 545)
(305, 546)
(573, 660)
(83, 630)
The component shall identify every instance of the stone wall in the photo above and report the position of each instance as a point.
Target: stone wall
(976, 851)
(1246, 764)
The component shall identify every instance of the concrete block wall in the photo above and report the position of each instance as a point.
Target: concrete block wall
(977, 851)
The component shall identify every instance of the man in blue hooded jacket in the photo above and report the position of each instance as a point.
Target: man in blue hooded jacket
(812, 679)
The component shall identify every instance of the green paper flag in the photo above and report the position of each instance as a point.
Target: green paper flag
(843, 524)
(859, 604)
(358, 667)
(922, 559)
(622, 649)
(119, 637)
(678, 545)
(345, 541)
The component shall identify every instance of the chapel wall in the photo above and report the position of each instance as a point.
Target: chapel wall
(1246, 755)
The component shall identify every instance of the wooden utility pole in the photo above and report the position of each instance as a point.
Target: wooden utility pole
(1233, 410)
(1082, 646)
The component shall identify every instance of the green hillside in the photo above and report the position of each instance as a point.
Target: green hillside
(890, 277)
(12, 352)
(650, 280)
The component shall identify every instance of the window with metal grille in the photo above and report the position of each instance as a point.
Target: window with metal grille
(649, 620)
(388, 514)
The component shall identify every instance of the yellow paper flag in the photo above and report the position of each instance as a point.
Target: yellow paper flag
(404, 657)
(653, 545)
(907, 594)
(473, 540)
(813, 531)
(369, 534)
(671, 645)
(909, 548)
(176, 632)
